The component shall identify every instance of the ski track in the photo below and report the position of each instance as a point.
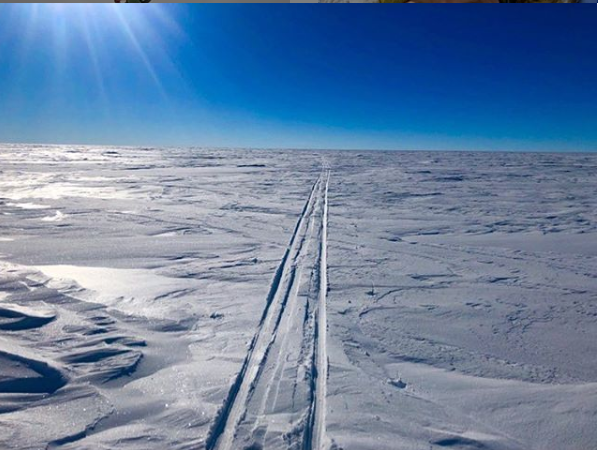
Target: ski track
(278, 399)
(319, 414)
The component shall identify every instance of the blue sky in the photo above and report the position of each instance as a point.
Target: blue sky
(298, 76)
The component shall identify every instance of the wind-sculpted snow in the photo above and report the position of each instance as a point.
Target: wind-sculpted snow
(156, 298)
(15, 317)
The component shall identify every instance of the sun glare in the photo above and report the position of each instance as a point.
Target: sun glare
(138, 27)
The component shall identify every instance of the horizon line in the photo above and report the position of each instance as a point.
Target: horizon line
(322, 149)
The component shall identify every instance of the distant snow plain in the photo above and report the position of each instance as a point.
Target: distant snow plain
(168, 298)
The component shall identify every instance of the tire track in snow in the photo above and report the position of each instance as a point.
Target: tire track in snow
(288, 350)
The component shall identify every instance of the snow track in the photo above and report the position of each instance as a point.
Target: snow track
(278, 399)
(319, 408)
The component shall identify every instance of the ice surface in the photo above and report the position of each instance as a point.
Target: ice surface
(156, 298)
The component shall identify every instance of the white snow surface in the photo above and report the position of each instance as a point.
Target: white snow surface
(223, 299)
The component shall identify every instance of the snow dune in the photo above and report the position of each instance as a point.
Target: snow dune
(242, 299)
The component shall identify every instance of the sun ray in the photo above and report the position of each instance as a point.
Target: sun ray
(138, 48)
(90, 41)
(65, 25)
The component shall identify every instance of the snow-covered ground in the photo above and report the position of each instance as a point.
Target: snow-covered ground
(227, 299)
